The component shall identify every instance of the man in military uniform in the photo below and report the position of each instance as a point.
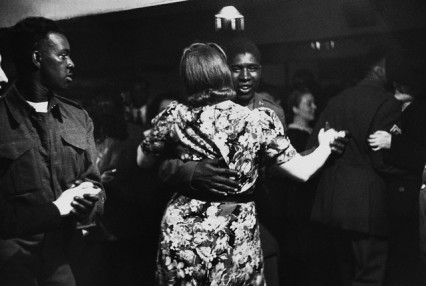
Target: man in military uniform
(49, 183)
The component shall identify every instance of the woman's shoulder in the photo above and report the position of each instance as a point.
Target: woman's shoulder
(228, 107)
(174, 112)
(265, 113)
(175, 105)
(177, 109)
(228, 104)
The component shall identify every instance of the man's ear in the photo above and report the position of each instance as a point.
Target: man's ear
(295, 110)
(36, 58)
(379, 70)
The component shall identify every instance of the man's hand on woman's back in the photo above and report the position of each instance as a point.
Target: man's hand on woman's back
(212, 175)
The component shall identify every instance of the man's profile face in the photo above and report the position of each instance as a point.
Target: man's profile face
(246, 72)
(56, 66)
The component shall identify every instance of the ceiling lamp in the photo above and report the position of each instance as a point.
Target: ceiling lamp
(323, 45)
(229, 18)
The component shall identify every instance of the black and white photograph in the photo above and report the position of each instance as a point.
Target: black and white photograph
(212, 143)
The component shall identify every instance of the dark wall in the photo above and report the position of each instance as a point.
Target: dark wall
(111, 48)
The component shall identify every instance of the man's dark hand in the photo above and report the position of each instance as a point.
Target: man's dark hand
(83, 206)
(339, 144)
(212, 175)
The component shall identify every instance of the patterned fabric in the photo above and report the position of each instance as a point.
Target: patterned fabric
(215, 243)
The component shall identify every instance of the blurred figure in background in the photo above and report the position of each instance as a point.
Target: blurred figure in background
(304, 78)
(160, 102)
(296, 198)
(301, 113)
(406, 149)
(136, 100)
(107, 113)
(350, 197)
(142, 198)
(121, 252)
(96, 260)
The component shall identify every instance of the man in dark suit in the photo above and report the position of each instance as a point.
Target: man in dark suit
(351, 191)
(406, 147)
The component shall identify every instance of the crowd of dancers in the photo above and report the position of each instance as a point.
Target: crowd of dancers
(222, 184)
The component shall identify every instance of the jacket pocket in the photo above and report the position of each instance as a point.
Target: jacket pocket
(77, 140)
(18, 167)
(73, 156)
(14, 150)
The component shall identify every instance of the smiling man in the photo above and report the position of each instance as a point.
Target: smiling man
(246, 72)
(212, 175)
(244, 60)
(49, 184)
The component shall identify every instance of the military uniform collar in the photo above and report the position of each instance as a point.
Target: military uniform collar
(257, 101)
(20, 109)
(372, 82)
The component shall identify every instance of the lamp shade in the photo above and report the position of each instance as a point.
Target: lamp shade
(229, 18)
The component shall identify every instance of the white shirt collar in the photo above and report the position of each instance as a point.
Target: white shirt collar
(39, 106)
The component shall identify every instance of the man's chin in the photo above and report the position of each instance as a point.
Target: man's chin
(59, 88)
(244, 98)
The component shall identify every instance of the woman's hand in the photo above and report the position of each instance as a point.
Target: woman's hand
(325, 138)
(380, 140)
(303, 167)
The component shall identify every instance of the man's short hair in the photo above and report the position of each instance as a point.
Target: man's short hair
(242, 45)
(24, 37)
(407, 67)
(375, 56)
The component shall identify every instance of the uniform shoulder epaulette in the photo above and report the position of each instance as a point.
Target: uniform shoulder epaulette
(267, 100)
(69, 101)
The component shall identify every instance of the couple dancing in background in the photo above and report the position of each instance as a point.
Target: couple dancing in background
(208, 238)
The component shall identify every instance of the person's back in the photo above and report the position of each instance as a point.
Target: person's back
(227, 130)
(357, 102)
(357, 182)
(406, 149)
(350, 199)
(217, 226)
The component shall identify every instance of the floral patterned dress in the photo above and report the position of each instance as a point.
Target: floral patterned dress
(215, 242)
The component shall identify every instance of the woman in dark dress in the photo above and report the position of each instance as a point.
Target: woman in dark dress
(296, 235)
(301, 111)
